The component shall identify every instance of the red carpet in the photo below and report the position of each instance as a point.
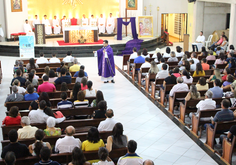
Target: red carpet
(62, 43)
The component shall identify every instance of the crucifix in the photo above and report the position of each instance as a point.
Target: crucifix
(126, 18)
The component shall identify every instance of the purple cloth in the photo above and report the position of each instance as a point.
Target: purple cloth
(119, 27)
(106, 66)
(131, 44)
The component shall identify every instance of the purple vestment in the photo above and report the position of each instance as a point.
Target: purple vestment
(106, 66)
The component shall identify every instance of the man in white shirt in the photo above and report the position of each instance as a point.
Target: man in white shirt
(163, 73)
(194, 58)
(179, 87)
(101, 24)
(134, 54)
(54, 59)
(68, 143)
(56, 25)
(109, 123)
(27, 131)
(41, 59)
(21, 90)
(192, 65)
(146, 64)
(110, 24)
(68, 57)
(162, 61)
(199, 42)
(84, 21)
(64, 22)
(36, 21)
(208, 103)
(27, 28)
(38, 116)
(93, 21)
(48, 28)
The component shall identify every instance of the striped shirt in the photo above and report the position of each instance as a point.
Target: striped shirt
(64, 104)
(224, 115)
(129, 159)
(79, 104)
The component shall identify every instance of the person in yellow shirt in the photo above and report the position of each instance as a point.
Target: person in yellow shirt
(75, 67)
(199, 71)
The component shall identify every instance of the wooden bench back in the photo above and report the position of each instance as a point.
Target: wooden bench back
(50, 65)
(228, 148)
(40, 80)
(221, 66)
(125, 59)
(69, 86)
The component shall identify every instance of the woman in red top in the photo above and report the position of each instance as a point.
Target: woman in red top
(84, 84)
(14, 117)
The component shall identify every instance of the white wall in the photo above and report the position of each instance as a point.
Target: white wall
(2, 18)
(15, 20)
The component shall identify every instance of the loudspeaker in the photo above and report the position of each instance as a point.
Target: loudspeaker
(190, 1)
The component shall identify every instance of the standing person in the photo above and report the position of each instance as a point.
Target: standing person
(27, 28)
(84, 21)
(106, 64)
(93, 21)
(101, 24)
(56, 25)
(110, 24)
(199, 42)
(48, 28)
(36, 21)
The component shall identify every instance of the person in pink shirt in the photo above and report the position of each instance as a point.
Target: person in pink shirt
(211, 56)
(46, 86)
(217, 43)
(221, 59)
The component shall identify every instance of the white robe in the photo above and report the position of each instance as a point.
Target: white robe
(28, 30)
(101, 27)
(64, 22)
(57, 27)
(110, 25)
(84, 22)
(36, 21)
(200, 42)
(48, 28)
(93, 22)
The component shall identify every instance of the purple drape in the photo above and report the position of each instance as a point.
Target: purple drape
(130, 45)
(120, 22)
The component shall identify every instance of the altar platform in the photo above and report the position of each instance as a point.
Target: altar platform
(52, 46)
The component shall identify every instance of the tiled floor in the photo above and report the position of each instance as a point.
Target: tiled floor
(158, 137)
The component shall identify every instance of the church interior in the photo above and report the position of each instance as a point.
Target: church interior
(137, 82)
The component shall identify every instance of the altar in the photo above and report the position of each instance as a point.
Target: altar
(71, 34)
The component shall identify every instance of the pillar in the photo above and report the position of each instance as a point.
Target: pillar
(232, 26)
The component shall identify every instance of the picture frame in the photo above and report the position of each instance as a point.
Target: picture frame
(16, 5)
(145, 26)
(132, 4)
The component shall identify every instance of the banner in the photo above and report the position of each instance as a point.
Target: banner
(26, 46)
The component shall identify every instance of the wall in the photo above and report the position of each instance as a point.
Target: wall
(15, 20)
(2, 19)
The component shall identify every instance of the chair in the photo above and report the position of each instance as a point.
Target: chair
(15, 35)
(208, 42)
(22, 34)
(73, 21)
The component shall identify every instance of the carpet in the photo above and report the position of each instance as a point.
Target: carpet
(62, 43)
(130, 45)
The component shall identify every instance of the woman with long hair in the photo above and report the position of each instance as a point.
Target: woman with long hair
(74, 92)
(90, 92)
(202, 84)
(46, 71)
(204, 52)
(187, 77)
(145, 53)
(59, 68)
(99, 97)
(216, 75)
(193, 93)
(78, 157)
(221, 59)
(43, 96)
(153, 69)
(52, 76)
(179, 52)
(117, 139)
(31, 78)
(80, 76)
(167, 53)
(231, 64)
(31, 64)
(199, 71)
(84, 83)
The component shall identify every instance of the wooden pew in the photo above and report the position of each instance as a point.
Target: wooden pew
(140, 76)
(196, 122)
(52, 139)
(129, 66)
(195, 79)
(82, 125)
(156, 86)
(66, 157)
(50, 65)
(207, 72)
(211, 133)
(173, 100)
(167, 88)
(228, 149)
(134, 71)
(125, 59)
(69, 86)
(148, 82)
(57, 94)
(40, 80)
(42, 69)
(221, 66)
(210, 62)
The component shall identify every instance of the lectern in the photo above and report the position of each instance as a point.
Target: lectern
(186, 42)
(40, 34)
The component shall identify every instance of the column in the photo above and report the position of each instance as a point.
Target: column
(232, 27)
(198, 19)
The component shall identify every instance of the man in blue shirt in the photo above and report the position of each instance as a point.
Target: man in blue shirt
(230, 56)
(81, 68)
(217, 90)
(21, 79)
(64, 78)
(139, 59)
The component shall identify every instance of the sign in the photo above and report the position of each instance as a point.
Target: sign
(26, 46)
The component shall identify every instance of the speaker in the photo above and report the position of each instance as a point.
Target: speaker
(190, 1)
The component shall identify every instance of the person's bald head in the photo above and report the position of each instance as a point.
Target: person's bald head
(109, 113)
(70, 130)
(148, 162)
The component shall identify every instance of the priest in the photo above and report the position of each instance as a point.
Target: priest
(199, 42)
(93, 21)
(28, 29)
(84, 21)
(56, 25)
(110, 24)
(36, 21)
(48, 28)
(101, 24)
(106, 65)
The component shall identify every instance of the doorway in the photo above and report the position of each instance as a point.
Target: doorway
(175, 24)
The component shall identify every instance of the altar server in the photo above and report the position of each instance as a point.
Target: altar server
(110, 24)
(27, 28)
(36, 21)
(55, 24)
(93, 21)
(64, 22)
(101, 24)
(199, 42)
(84, 21)
(48, 28)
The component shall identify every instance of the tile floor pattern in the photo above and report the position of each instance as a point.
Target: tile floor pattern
(158, 138)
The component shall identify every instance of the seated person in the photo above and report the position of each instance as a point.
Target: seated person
(172, 58)
(83, 84)
(63, 77)
(193, 93)
(54, 59)
(134, 54)
(103, 155)
(93, 141)
(31, 94)
(64, 103)
(35, 104)
(163, 73)
(216, 90)
(99, 97)
(78, 156)
(21, 90)
(68, 57)
(31, 64)
(205, 66)
(202, 84)
(117, 139)
(81, 68)
(171, 79)
(14, 117)
(176, 72)
(15, 96)
(75, 67)
(226, 72)
(192, 65)
(19, 77)
(10, 158)
(64, 87)
(146, 64)
(109, 123)
(139, 59)
(68, 143)
(216, 75)
(52, 76)
(90, 92)
(32, 79)
(179, 52)
(199, 71)
(20, 150)
(81, 101)
(211, 56)
(102, 107)
(46, 86)
(167, 53)
(220, 60)
(58, 70)
(35, 148)
(145, 53)
(179, 87)
(186, 77)
(229, 80)
(153, 69)
(27, 131)
(51, 130)
(162, 61)
(41, 59)
(230, 135)
(131, 157)
(45, 154)
(203, 52)
(74, 92)
(80, 76)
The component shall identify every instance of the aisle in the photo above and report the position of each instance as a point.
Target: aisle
(157, 136)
